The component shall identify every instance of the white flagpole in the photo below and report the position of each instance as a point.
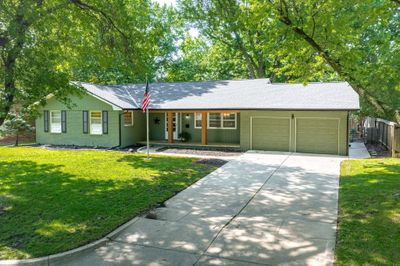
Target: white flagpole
(147, 131)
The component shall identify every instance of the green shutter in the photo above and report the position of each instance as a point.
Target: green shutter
(64, 121)
(105, 122)
(85, 122)
(46, 120)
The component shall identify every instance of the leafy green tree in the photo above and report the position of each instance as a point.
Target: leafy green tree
(200, 60)
(45, 44)
(15, 125)
(359, 40)
(238, 28)
(312, 40)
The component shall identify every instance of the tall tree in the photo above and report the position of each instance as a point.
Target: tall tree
(201, 60)
(44, 44)
(239, 26)
(230, 23)
(359, 40)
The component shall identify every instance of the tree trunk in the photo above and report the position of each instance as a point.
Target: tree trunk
(9, 88)
(17, 139)
(19, 27)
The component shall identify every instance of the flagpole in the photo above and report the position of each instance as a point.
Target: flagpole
(147, 132)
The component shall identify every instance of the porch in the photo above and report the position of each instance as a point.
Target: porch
(200, 129)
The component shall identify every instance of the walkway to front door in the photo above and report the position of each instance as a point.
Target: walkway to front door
(260, 208)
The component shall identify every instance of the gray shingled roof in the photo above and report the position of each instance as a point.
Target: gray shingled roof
(231, 94)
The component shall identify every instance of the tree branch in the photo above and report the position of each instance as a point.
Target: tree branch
(85, 6)
(334, 63)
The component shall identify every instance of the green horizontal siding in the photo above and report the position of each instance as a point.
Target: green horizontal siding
(74, 134)
(131, 135)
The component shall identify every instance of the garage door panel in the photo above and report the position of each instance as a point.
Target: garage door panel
(317, 135)
(271, 134)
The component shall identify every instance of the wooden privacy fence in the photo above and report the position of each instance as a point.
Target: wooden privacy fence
(385, 132)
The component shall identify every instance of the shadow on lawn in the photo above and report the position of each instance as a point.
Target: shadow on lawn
(50, 210)
(369, 216)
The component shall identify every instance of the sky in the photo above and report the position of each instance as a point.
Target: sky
(166, 2)
(193, 32)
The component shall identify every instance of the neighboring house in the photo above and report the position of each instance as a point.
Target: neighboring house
(242, 114)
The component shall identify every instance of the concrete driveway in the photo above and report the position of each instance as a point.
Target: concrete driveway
(260, 208)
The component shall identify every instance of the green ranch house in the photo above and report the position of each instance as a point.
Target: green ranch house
(238, 114)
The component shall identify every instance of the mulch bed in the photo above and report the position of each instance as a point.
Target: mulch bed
(377, 150)
(10, 140)
(213, 162)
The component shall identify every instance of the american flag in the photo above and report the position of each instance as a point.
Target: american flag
(146, 98)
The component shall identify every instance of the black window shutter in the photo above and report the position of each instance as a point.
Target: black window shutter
(46, 120)
(85, 120)
(105, 122)
(64, 121)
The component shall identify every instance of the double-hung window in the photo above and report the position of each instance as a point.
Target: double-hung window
(217, 120)
(214, 120)
(128, 118)
(55, 122)
(229, 120)
(96, 126)
(197, 120)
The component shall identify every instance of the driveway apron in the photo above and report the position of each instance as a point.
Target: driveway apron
(262, 208)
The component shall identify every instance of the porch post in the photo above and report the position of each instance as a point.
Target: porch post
(170, 127)
(203, 128)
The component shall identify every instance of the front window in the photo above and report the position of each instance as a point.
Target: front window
(229, 120)
(214, 120)
(96, 123)
(55, 122)
(217, 120)
(128, 118)
(197, 120)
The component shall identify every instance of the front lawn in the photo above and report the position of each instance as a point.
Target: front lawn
(369, 214)
(56, 200)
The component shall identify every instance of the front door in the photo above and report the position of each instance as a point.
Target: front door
(175, 118)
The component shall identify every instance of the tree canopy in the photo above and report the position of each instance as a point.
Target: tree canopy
(45, 44)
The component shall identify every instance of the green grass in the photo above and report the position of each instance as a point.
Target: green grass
(369, 213)
(53, 200)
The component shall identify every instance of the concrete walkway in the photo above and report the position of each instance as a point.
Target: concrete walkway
(260, 208)
(357, 150)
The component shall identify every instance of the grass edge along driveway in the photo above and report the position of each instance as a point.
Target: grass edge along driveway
(56, 200)
(369, 212)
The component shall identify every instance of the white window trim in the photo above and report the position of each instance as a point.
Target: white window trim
(222, 121)
(90, 122)
(131, 124)
(51, 122)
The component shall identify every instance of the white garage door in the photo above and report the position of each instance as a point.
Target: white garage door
(317, 135)
(270, 134)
